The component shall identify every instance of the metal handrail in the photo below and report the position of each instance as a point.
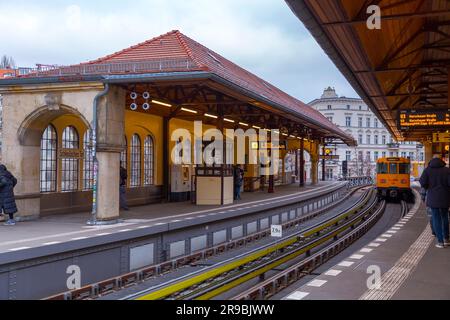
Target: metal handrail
(151, 65)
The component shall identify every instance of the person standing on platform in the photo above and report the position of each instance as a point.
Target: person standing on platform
(423, 195)
(7, 198)
(238, 178)
(435, 180)
(123, 188)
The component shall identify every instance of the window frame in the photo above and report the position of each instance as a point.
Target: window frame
(149, 161)
(135, 161)
(50, 136)
(88, 162)
(70, 167)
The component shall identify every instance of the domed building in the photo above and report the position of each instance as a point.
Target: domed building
(354, 117)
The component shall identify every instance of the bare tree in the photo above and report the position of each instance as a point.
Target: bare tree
(7, 62)
(354, 163)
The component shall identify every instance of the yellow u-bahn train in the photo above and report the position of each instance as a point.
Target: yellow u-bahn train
(394, 178)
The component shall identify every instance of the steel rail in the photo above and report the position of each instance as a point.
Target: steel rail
(267, 266)
(282, 280)
(118, 283)
(192, 280)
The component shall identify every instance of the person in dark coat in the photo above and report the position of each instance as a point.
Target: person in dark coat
(436, 181)
(423, 195)
(238, 180)
(7, 199)
(123, 188)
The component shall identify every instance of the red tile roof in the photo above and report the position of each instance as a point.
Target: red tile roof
(174, 45)
(7, 73)
(180, 53)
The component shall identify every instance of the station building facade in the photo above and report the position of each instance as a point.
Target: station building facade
(354, 117)
(125, 108)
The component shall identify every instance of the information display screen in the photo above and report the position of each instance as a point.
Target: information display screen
(412, 119)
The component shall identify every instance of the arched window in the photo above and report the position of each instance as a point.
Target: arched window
(88, 168)
(70, 138)
(148, 161)
(49, 143)
(135, 153)
(123, 154)
(70, 161)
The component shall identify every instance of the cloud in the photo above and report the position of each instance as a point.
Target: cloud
(262, 36)
(73, 17)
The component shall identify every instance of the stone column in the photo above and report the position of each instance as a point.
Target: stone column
(108, 186)
(314, 170)
(111, 115)
(302, 163)
(315, 162)
(323, 163)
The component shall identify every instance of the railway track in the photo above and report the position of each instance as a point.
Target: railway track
(217, 279)
(116, 284)
(269, 287)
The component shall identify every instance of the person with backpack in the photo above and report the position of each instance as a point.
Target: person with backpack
(7, 199)
(435, 180)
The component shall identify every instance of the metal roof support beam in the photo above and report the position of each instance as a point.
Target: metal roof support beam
(363, 10)
(399, 103)
(394, 69)
(392, 55)
(396, 4)
(426, 14)
(399, 83)
(411, 94)
(432, 46)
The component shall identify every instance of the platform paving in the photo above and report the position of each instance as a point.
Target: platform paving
(410, 267)
(54, 230)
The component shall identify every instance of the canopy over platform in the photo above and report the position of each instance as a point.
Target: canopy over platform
(183, 73)
(402, 66)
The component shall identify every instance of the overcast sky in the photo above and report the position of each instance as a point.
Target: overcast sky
(262, 36)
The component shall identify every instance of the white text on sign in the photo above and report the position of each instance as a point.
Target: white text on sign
(276, 231)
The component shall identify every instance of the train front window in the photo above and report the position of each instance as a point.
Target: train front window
(382, 168)
(393, 168)
(404, 168)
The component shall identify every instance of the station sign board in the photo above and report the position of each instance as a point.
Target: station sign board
(268, 145)
(329, 157)
(70, 154)
(439, 137)
(424, 119)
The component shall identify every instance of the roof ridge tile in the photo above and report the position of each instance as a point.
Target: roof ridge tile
(115, 54)
(180, 36)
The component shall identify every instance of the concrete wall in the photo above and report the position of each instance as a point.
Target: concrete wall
(26, 113)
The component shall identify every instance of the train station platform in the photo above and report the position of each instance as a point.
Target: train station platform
(71, 229)
(401, 263)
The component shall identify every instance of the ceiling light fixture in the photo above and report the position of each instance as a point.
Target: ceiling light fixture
(211, 116)
(161, 103)
(189, 110)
